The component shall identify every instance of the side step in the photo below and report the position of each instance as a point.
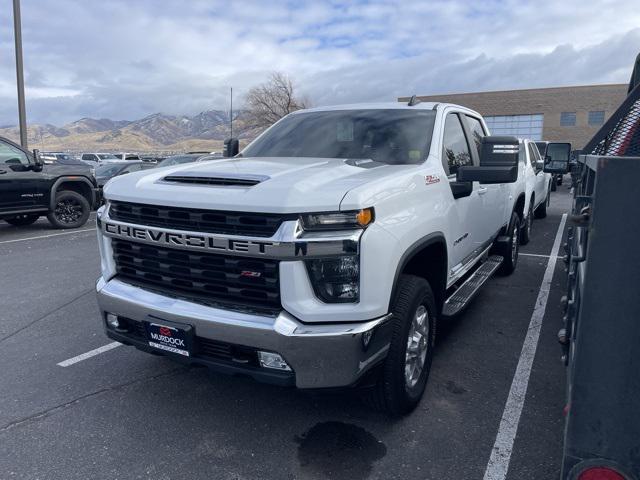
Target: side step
(463, 295)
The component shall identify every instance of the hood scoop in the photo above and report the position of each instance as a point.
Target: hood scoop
(215, 180)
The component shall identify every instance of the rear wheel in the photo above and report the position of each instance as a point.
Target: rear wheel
(509, 250)
(404, 373)
(22, 220)
(71, 210)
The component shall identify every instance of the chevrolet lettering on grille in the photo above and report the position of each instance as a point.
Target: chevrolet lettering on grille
(188, 240)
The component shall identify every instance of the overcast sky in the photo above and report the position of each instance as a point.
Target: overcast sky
(124, 59)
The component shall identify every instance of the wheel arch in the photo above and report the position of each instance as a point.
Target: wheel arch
(426, 258)
(79, 185)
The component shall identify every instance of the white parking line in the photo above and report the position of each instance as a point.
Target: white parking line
(89, 354)
(535, 255)
(47, 236)
(501, 453)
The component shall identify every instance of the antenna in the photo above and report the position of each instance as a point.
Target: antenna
(231, 115)
(414, 101)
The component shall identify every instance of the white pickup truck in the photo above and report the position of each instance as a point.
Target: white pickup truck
(323, 255)
(537, 186)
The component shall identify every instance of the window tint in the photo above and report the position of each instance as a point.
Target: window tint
(596, 117)
(455, 147)
(12, 155)
(477, 132)
(567, 119)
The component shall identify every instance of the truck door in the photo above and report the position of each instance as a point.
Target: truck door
(465, 213)
(19, 185)
(491, 196)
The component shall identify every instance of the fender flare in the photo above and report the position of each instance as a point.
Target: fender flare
(72, 179)
(417, 246)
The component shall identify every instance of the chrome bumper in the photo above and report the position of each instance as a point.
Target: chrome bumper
(321, 356)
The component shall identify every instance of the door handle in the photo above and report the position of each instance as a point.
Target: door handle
(2, 171)
(482, 190)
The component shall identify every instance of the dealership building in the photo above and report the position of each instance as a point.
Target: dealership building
(569, 114)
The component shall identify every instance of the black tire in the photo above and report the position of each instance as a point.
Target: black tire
(394, 393)
(559, 179)
(509, 250)
(553, 185)
(527, 224)
(541, 211)
(71, 210)
(22, 220)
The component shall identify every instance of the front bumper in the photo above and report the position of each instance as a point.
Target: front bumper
(320, 356)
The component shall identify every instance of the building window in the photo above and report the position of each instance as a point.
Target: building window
(596, 118)
(522, 126)
(567, 119)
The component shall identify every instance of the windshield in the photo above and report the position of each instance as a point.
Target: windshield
(107, 156)
(176, 160)
(108, 170)
(389, 136)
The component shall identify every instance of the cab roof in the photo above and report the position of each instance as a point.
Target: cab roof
(385, 106)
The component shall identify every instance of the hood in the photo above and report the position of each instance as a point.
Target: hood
(277, 185)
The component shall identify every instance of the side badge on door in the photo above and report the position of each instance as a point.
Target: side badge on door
(431, 179)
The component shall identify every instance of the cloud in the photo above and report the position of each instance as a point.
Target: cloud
(123, 60)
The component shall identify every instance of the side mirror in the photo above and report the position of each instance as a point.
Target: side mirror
(557, 158)
(498, 162)
(38, 163)
(231, 147)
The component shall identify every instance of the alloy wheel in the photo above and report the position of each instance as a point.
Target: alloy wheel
(417, 346)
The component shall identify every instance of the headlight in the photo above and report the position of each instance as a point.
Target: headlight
(337, 220)
(335, 280)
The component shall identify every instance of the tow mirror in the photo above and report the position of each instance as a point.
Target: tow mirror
(38, 163)
(557, 158)
(231, 147)
(498, 162)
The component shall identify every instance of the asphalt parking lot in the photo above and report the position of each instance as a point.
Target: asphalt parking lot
(124, 414)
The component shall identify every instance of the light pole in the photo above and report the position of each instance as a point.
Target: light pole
(22, 116)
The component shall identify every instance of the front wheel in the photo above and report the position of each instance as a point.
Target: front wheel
(403, 376)
(71, 210)
(22, 220)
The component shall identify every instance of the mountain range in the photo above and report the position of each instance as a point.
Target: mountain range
(154, 133)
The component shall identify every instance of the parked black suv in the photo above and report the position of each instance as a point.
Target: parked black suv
(64, 192)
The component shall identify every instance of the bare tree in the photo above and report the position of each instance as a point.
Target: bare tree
(269, 102)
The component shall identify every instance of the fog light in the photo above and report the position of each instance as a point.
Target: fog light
(273, 360)
(112, 321)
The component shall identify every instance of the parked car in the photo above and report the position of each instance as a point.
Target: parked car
(323, 255)
(127, 156)
(186, 158)
(98, 158)
(537, 186)
(52, 157)
(109, 170)
(63, 191)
